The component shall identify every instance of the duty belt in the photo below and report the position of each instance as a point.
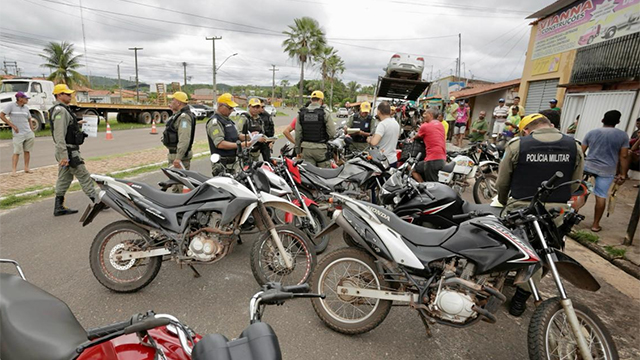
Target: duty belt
(173, 151)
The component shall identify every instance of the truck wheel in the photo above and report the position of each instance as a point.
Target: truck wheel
(155, 116)
(144, 118)
(164, 116)
(37, 123)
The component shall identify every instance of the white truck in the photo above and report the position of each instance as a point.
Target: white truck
(41, 100)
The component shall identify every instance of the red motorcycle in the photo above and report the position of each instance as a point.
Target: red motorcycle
(36, 325)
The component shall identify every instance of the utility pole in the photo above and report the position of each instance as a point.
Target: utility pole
(459, 53)
(184, 64)
(120, 83)
(431, 74)
(84, 40)
(135, 49)
(215, 87)
(273, 82)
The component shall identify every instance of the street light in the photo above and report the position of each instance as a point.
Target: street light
(225, 60)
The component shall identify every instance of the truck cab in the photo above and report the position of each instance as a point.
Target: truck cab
(40, 94)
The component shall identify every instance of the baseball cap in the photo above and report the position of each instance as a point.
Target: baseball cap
(180, 96)
(501, 100)
(62, 88)
(555, 101)
(527, 119)
(365, 107)
(317, 94)
(20, 94)
(227, 99)
(254, 102)
(453, 98)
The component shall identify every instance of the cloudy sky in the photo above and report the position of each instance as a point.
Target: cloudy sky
(366, 34)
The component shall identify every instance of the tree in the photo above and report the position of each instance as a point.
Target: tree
(61, 61)
(306, 40)
(323, 59)
(284, 84)
(335, 65)
(352, 89)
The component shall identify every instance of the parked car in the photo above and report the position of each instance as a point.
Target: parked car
(210, 110)
(342, 112)
(199, 111)
(271, 110)
(403, 66)
(237, 112)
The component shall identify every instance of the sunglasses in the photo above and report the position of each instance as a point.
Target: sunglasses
(227, 106)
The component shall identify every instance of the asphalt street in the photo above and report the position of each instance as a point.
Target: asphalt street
(54, 253)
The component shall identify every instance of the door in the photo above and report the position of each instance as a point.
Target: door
(37, 96)
(539, 94)
(598, 103)
(572, 108)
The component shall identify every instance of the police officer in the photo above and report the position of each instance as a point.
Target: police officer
(363, 121)
(179, 133)
(250, 123)
(68, 137)
(223, 136)
(314, 128)
(530, 159)
(269, 131)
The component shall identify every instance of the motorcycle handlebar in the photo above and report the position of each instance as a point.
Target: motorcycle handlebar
(107, 330)
(551, 182)
(146, 325)
(297, 289)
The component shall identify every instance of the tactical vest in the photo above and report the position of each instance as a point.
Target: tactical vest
(267, 124)
(363, 124)
(314, 126)
(73, 136)
(251, 125)
(170, 134)
(230, 135)
(538, 161)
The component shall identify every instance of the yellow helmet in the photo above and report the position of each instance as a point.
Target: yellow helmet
(365, 107)
(180, 96)
(62, 88)
(527, 119)
(254, 102)
(227, 99)
(317, 94)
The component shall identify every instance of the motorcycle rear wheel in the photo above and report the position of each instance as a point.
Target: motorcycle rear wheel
(349, 267)
(484, 190)
(122, 276)
(551, 337)
(267, 264)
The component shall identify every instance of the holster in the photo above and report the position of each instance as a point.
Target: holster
(74, 160)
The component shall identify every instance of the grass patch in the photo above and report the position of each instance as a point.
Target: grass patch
(141, 170)
(15, 201)
(585, 236)
(30, 188)
(280, 113)
(6, 134)
(615, 252)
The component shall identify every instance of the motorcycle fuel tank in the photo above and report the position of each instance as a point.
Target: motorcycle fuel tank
(437, 211)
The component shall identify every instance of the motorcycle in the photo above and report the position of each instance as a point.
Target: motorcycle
(199, 227)
(486, 159)
(41, 326)
(455, 276)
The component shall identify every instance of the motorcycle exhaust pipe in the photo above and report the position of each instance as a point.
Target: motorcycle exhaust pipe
(348, 228)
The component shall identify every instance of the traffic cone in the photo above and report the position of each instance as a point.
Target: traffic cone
(109, 134)
(154, 131)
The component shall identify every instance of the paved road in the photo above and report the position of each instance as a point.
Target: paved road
(124, 141)
(54, 254)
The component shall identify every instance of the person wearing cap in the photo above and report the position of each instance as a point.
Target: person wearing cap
(516, 103)
(451, 113)
(314, 128)
(179, 134)
(252, 123)
(500, 114)
(269, 131)
(363, 121)
(530, 159)
(68, 137)
(23, 136)
(222, 135)
(511, 126)
(553, 105)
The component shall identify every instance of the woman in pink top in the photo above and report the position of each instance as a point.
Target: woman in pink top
(462, 117)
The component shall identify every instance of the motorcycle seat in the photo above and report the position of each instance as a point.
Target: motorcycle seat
(35, 324)
(321, 172)
(157, 196)
(193, 174)
(257, 342)
(449, 167)
(468, 207)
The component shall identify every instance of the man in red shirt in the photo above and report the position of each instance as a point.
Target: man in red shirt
(432, 133)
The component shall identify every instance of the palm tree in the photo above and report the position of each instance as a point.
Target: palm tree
(335, 65)
(284, 84)
(305, 41)
(63, 64)
(323, 59)
(352, 90)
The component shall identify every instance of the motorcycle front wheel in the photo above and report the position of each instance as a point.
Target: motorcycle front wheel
(551, 337)
(122, 276)
(484, 190)
(268, 265)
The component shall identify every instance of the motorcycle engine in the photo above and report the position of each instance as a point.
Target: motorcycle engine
(206, 246)
(455, 306)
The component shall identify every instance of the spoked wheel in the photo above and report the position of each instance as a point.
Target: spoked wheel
(320, 219)
(268, 264)
(117, 274)
(550, 335)
(484, 190)
(347, 314)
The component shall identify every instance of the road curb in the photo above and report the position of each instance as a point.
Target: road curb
(36, 192)
(622, 264)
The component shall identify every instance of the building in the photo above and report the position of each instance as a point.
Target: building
(442, 87)
(485, 97)
(585, 54)
(99, 96)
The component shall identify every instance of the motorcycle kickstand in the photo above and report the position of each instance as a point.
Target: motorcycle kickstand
(239, 240)
(196, 274)
(425, 322)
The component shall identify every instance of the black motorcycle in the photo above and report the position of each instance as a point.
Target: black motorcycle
(455, 276)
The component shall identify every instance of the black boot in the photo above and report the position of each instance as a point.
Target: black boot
(59, 208)
(519, 302)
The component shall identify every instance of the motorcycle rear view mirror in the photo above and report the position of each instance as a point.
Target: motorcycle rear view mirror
(215, 158)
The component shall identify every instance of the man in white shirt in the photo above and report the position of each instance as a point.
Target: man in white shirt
(23, 136)
(387, 133)
(500, 114)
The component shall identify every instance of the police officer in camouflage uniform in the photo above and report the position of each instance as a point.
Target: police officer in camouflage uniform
(314, 128)
(363, 121)
(179, 133)
(252, 122)
(528, 161)
(269, 131)
(223, 136)
(68, 137)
